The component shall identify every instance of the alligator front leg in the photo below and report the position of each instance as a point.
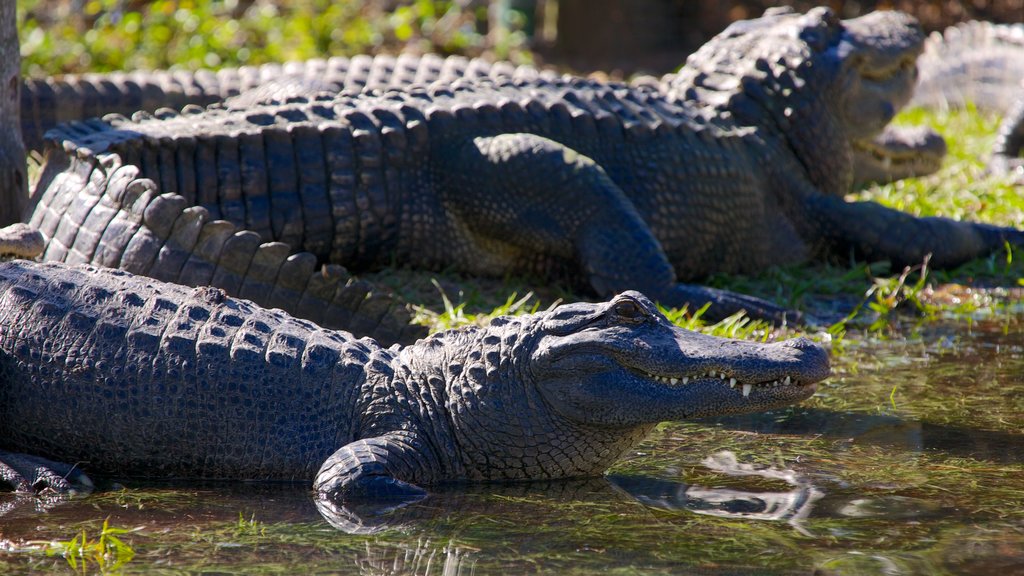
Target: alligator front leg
(874, 232)
(546, 199)
(383, 470)
(26, 473)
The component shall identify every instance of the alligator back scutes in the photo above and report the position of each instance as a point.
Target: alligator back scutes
(260, 168)
(289, 177)
(981, 63)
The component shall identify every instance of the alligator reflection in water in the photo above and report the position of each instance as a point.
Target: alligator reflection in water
(791, 506)
(888, 431)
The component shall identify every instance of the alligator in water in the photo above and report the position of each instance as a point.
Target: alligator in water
(739, 164)
(135, 377)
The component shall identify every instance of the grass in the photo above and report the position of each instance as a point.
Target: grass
(106, 554)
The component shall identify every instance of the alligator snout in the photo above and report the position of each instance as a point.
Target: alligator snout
(813, 362)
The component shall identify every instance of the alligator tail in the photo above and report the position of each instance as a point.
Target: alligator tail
(98, 209)
(47, 102)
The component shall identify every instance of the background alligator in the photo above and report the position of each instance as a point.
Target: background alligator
(971, 64)
(47, 102)
(480, 177)
(140, 378)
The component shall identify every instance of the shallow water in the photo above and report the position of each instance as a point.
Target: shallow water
(908, 461)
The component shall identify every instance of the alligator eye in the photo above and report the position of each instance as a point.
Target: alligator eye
(630, 310)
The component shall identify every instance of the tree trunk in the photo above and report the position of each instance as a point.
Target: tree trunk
(13, 175)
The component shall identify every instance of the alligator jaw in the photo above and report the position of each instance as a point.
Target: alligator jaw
(898, 152)
(721, 379)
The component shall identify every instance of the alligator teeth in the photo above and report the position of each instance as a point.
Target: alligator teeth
(732, 382)
(667, 379)
(787, 381)
(722, 375)
(746, 390)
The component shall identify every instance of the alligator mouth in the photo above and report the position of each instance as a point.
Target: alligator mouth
(898, 156)
(721, 377)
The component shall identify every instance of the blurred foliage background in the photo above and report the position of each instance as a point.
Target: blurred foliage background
(63, 36)
(617, 36)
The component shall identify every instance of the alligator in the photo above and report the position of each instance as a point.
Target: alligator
(139, 378)
(739, 164)
(978, 64)
(47, 102)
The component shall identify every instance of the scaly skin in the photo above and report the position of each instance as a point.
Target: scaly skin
(140, 378)
(46, 102)
(221, 253)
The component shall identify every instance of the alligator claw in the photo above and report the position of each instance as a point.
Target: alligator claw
(32, 474)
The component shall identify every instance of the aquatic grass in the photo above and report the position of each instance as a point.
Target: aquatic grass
(456, 315)
(107, 553)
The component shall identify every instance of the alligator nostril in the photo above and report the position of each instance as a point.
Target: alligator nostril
(800, 343)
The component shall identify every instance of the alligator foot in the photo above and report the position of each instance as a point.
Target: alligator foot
(723, 303)
(25, 473)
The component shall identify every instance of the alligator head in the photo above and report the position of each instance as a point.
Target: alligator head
(818, 82)
(898, 152)
(622, 363)
(567, 392)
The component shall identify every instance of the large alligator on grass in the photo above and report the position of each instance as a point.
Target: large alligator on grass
(132, 377)
(741, 163)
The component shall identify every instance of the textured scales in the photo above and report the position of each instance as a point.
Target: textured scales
(139, 378)
(46, 102)
(223, 254)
